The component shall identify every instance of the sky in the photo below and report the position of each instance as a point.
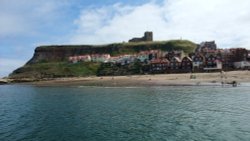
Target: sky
(26, 24)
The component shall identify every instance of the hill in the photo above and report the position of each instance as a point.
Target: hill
(52, 61)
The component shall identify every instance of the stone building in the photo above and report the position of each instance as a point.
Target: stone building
(148, 36)
(206, 46)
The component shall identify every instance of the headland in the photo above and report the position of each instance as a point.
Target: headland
(141, 61)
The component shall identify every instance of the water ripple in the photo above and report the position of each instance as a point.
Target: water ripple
(134, 113)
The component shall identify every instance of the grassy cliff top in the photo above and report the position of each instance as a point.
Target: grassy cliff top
(123, 48)
(185, 45)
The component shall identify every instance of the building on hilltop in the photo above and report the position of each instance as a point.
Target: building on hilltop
(148, 36)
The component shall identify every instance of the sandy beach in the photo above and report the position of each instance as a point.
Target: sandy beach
(187, 79)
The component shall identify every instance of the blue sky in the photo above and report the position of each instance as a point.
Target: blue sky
(26, 24)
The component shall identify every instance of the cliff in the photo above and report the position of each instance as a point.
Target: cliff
(58, 53)
(51, 61)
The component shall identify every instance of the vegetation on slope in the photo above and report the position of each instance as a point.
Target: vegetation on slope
(126, 48)
(55, 69)
(111, 69)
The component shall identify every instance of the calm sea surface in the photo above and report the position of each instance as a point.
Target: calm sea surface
(29, 113)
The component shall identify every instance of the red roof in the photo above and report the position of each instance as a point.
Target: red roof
(158, 61)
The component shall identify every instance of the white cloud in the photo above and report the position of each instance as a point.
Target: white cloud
(8, 65)
(26, 16)
(226, 21)
(24, 22)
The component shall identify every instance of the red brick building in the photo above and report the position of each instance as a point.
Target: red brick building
(175, 64)
(159, 65)
(186, 64)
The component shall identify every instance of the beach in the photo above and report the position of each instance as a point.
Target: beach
(187, 79)
(3, 81)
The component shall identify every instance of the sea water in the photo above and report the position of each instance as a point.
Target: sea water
(30, 113)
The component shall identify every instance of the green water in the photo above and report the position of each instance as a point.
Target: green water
(29, 113)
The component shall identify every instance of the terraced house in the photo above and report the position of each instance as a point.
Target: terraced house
(205, 58)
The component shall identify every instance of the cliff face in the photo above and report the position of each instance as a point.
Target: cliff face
(58, 53)
(61, 53)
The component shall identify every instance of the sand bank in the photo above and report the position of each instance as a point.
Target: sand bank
(187, 79)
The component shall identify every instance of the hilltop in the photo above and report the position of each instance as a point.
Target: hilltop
(58, 53)
(52, 61)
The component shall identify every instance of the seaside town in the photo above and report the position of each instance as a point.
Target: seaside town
(207, 57)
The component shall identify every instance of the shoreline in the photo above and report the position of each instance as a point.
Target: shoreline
(3, 81)
(201, 79)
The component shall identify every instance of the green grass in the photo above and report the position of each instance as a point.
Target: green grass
(56, 69)
(132, 47)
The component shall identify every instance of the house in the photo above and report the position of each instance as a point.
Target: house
(80, 58)
(186, 64)
(159, 65)
(212, 63)
(206, 46)
(146, 56)
(126, 59)
(208, 53)
(153, 54)
(175, 63)
(233, 58)
(73, 59)
(84, 58)
(100, 57)
(198, 62)
(227, 59)
(248, 55)
(239, 54)
(114, 59)
(242, 65)
(143, 56)
(171, 54)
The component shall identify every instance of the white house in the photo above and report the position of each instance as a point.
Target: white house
(100, 57)
(241, 64)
